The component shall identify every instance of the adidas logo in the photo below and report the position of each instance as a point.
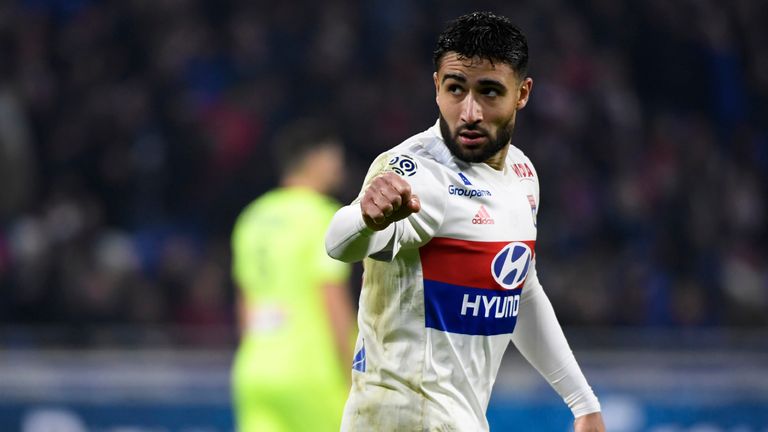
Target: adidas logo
(482, 217)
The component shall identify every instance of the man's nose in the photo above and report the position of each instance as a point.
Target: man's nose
(471, 112)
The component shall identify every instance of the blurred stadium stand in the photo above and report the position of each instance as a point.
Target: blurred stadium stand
(132, 132)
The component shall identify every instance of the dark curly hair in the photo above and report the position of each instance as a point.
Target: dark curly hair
(486, 36)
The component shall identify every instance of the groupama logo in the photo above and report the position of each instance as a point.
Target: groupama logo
(510, 266)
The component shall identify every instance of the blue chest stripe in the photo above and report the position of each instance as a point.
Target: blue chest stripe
(470, 311)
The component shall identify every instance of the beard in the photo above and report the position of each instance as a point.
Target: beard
(494, 145)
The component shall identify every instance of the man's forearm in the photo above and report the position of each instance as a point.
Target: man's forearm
(540, 339)
(348, 238)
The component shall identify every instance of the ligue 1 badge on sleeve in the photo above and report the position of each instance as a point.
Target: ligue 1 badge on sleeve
(403, 165)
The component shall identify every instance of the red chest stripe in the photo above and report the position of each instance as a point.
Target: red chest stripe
(462, 262)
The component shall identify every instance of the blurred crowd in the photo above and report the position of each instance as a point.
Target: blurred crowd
(133, 132)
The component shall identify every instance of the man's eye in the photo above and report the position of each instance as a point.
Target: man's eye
(455, 89)
(491, 92)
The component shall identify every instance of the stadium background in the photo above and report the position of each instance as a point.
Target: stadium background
(132, 132)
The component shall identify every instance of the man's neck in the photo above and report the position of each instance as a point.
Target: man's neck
(497, 161)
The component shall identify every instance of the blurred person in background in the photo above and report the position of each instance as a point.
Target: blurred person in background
(446, 224)
(294, 309)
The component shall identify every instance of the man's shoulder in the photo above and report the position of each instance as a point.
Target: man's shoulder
(515, 154)
(521, 164)
(426, 147)
(287, 201)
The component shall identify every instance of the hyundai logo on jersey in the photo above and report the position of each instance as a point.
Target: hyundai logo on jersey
(474, 287)
(510, 265)
(403, 165)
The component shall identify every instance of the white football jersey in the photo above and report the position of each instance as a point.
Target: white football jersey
(445, 290)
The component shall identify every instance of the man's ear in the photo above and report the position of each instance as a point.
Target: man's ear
(525, 92)
(437, 85)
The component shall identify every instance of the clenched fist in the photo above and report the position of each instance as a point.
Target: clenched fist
(388, 199)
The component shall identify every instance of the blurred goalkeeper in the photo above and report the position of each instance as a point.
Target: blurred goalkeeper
(294, 310)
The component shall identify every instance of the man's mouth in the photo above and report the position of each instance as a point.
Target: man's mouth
(470, 138)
